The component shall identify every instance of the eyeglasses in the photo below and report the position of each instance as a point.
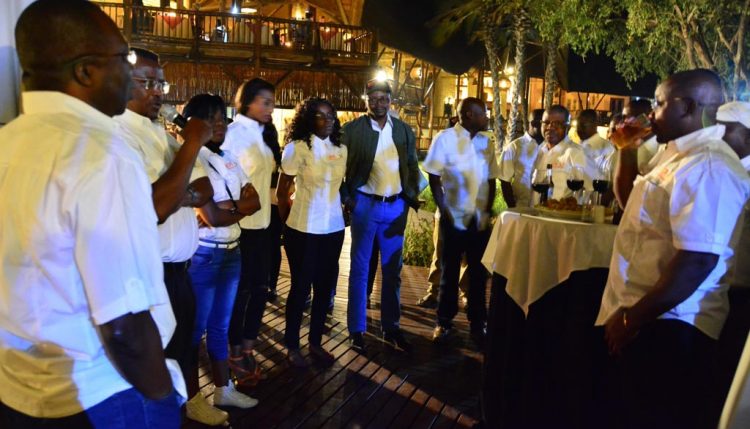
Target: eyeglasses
(656, 104)
(151, 84)
(379, 100)
(129, 57)
(555, 124)
(325, 117)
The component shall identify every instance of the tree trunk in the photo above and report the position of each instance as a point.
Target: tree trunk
(491, 38)
(517, 112)
(550, 74)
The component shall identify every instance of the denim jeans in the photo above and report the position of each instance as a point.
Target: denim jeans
(313, 260)
(215, 274)
(384, 221)
(128, 409)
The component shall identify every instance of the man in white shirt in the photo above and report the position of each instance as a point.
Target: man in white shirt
(665, 302)
(558, 150)
(517, 161)
(79, 267)
(462, 168)
(169, 168)
(596, 148)
(382, 182)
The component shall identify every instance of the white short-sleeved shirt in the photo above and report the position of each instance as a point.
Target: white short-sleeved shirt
(385, 179)
(245, 140)
(318, 171)
(691, 201)
(738, 273)
(516, 163)
(465, 165)
(562, 156)
(79, 248)
(224, 172)
(178, 234)
(646, 152)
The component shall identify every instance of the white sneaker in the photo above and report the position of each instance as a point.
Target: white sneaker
(229, 396)
(201, 411)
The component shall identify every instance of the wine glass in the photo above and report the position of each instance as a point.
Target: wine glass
(540, 184)
(600, 181)
(575, 181)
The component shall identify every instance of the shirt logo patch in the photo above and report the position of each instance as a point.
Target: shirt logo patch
(230, 165)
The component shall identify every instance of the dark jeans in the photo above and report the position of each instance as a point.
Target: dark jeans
(274, 247)
(123, 410)
(667, 378)
(455, 244)
(313, 260)
(180, 290)
(251, 293)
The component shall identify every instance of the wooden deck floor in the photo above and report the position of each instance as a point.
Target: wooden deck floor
(434, 387)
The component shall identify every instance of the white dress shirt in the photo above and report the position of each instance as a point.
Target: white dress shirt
(562, 156)
(646, 152)
(245, 140)
(318, 172)
(465, 165)
(79, 248)
(691, 201)
(516, 163)
(224, 172)
(178, 234)
(384, 179)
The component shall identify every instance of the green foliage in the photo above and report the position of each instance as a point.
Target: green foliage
(418, 246)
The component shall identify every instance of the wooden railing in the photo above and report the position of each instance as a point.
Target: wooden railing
(213, 29)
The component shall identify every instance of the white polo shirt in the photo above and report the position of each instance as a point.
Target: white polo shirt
(79, 248)
(691, 200)
(224, 172)
(178, 234)
(465, 165)
(245, 140)
(562, 156)
(318, 172)
(516, 163)
(385, 179)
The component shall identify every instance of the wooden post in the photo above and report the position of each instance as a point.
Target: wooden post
(480, 83)
(256, 40)
(129, 18)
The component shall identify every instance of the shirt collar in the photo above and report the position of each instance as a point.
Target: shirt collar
(248, 122)
(324, 141)
(134, 119)
(562, 143)
(709, 135)
(591, 139)
(376, 126)
(746, 162)
(58, 102)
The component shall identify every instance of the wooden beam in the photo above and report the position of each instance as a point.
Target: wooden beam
(348, 83)
(344, 17)
(283, 77)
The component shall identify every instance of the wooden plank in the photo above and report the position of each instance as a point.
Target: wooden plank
(394, 406)
(429, 413)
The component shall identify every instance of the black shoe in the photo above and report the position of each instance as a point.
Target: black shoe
(397, 340)
(357, 340)
(428, 301)
(478, 337)
(272, 296)
(369, 304)
(441, 334)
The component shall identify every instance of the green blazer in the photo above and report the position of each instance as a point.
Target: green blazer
(362, 142)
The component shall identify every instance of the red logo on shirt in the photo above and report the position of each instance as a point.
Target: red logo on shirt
(230, 165)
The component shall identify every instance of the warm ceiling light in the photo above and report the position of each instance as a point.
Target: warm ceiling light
(248, 10)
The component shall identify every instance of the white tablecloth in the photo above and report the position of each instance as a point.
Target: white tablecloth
(736, 413)
(536, 254)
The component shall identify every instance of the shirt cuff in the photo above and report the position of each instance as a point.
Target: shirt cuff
(697, 246)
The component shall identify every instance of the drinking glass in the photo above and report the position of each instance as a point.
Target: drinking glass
(540, 184)
(575, 181)
(600, 181)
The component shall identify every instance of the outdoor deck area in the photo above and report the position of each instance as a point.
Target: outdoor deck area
(434, 387)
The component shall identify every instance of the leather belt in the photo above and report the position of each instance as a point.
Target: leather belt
(218, 245)
(381, 198)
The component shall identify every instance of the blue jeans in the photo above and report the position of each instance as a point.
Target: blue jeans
(384, 221)
(123, 410)
(215, 274)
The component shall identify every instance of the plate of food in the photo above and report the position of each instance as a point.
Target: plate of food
(566, 208)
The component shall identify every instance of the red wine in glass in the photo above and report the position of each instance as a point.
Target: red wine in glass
(575, 185)
(601, 186)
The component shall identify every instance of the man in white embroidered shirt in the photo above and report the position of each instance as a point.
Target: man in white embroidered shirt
(79, 267)
(665, 303)
(558, 150)
(462, 168)
(517, 161)
(169, 168)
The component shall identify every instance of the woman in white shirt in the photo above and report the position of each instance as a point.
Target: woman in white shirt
(215, 266)
(315, 162)
(253, 139)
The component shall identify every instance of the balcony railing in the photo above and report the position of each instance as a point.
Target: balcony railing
(206, 30)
